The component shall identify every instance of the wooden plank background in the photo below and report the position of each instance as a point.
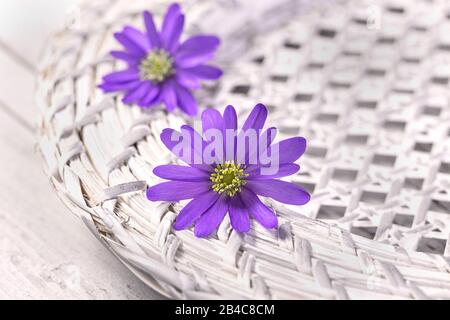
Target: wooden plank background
(45, 252)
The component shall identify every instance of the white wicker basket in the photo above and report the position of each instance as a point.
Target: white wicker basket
(367, 85)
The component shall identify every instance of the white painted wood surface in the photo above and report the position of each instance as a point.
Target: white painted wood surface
(45, 252)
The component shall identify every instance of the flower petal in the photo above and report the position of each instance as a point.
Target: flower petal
(123, 86)
(250, 132)
(169, 96)
(194, 209)
(211, 219)
(137, 93)
(212, 122)
(230, 118)
(186, 101)
(194, 156)
(174, 40)
(196, 51)
(278, 190)
(129, 45)
(265, 139)
(256, 119)
(230, 123)
(212, 119)
(171, 139)
(150, 97)
(205, 72)
(177, 190)
(180, 173)
(152, 33)
(289, 150)
(139, 38)
(129, 58)
(197, 143)
(172, 27)
(239, 218)
(258, 210)
(187, 79)
(128, 75)
(284, 170)
(172, 13)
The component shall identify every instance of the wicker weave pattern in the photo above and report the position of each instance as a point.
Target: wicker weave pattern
(374, 106)
(367, 123)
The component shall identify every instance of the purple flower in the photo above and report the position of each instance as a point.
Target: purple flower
(232, 182)
(160, 69)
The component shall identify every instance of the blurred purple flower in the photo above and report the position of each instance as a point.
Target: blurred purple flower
(160, 69)
(232, 183)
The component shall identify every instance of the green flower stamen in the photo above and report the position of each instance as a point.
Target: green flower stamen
(157, 66)
(228, 178)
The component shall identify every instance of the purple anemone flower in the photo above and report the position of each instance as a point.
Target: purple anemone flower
(227, 180)
(160, 69)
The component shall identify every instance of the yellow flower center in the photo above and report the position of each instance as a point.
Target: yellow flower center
(157, 66)
(228, 178)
